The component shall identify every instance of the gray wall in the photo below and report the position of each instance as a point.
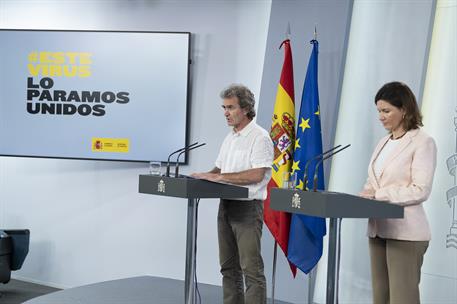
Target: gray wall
(88, 222)
(332, 20)
(230, 44)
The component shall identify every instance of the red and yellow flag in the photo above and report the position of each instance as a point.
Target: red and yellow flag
(283, 135)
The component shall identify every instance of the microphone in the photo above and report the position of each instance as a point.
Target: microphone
(184, 151)
(321, 160)
(315, 158)
(173, 153)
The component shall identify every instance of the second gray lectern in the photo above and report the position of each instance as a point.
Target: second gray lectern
(334, 206)
(192, 189)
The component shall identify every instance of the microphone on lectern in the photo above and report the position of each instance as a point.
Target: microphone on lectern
(182, 152)
(321, 161)
(173, 153)
(305, 178)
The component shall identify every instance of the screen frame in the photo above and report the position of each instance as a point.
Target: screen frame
(187, 123)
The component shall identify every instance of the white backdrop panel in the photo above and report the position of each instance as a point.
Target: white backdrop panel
(439, 273)
(388, 41)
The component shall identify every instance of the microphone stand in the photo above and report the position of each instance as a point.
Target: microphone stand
(321, 161)
(335, 232)
(182, 152)
(312, 159)
(167, 174)
(312, 273)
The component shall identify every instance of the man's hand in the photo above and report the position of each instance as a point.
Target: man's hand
(214, 177)
(246, 177)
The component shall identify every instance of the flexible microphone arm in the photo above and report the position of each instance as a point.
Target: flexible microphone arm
(321, 161)
(173, 153)
(182, 152)
(314, 158)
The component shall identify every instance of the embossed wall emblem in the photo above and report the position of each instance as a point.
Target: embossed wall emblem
(451, 194)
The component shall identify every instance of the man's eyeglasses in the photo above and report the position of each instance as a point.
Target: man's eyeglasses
(230, 107)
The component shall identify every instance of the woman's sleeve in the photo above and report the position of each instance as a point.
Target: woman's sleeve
(422, 171)
(368, 191)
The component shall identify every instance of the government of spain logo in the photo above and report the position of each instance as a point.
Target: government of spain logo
(296, 201)
(161, 186)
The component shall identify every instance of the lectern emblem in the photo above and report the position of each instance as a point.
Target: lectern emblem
(161, 186)
(296, 201)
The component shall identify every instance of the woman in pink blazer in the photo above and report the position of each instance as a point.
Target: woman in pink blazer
(401, 172)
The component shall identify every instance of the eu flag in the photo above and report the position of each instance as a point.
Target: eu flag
(307, 232)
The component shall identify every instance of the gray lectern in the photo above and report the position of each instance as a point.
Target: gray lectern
(192, 189)
(334, 206)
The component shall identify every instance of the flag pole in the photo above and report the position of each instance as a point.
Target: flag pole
(275, 250)
(273, 278)
(311, 284)
(312, 273)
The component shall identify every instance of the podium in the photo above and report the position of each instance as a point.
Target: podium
(335, 206)
(192, 189)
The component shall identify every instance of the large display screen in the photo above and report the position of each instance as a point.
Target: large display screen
(93, 94)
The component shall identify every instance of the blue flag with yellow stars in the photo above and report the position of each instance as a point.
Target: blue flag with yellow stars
(307, 232)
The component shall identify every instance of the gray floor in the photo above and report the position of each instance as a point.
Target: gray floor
(137, 290)
(16, 292)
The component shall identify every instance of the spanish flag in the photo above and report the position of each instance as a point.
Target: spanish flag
(283, 136)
